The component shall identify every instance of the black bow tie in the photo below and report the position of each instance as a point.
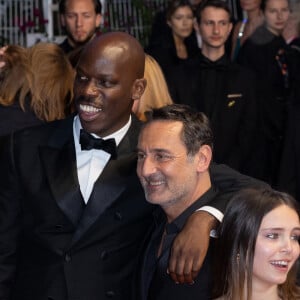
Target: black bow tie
(88, 142)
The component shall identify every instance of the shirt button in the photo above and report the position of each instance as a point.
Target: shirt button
(68, 258)
(110, 294)
(118, 216)
(103, 255)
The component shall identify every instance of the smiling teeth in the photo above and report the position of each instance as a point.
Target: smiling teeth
(88, 108)
(156, 183)
(281, 263)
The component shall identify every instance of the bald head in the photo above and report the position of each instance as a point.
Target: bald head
(109, 78)
(118, 46)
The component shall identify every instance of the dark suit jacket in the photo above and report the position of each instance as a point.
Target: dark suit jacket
(49, 247)
(226, 93)
(45, 252)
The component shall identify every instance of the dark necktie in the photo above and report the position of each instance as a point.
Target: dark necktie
(88, 142)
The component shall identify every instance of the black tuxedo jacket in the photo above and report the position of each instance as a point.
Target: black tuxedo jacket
(49, 247)
(52, 248)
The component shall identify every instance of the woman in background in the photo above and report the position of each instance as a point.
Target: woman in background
(36, 86)
(252, 18)
(258, 247)
(179, 43)
(52, 90)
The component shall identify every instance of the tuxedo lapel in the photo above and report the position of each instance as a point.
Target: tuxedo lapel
(129, 142)
(59, 160)
(62, 177)
(112, 182)
(107, 189)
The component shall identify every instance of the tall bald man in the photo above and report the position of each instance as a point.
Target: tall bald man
(72, 216)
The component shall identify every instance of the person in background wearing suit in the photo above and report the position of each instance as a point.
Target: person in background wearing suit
(72, 217)
(223, 90)
(80, 19)
(265, 52)
(173, 167)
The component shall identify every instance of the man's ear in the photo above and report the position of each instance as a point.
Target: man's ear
(98, 20)
(138, 88)
(230, 28)
(204, 156)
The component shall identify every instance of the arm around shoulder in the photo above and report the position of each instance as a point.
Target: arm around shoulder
(229, 181)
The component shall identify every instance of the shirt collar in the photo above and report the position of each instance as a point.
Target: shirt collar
(223, 60)
(118, 135)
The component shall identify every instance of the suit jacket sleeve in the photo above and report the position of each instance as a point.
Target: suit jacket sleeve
(9, 218)
(228, 182)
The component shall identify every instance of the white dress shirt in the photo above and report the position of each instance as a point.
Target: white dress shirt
(90, 163)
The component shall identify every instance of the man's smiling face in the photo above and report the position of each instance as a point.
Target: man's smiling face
(103, 88)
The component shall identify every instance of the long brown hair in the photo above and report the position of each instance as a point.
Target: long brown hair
(236, 244)
(41, 75)
(15, 76)
(52, 90)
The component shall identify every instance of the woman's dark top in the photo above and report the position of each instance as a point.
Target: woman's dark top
(164, 51)
(13, 118)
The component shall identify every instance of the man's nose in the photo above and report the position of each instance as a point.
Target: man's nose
(279, 15)
(79, 21)
(147, 166)
(91, 89)
(216, 28)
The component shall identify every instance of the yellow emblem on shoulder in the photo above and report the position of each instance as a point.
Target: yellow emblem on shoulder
(231, 103)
